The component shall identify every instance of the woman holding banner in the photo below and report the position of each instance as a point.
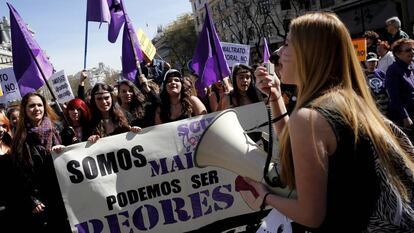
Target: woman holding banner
(176, 102)
(352, 169)
(107, 116)
(39, 194)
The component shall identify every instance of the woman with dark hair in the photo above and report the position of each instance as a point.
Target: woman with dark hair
(138, 108)
(79, 116)
(244, 90)
(107, 117)
(40, 202)
(176, 102)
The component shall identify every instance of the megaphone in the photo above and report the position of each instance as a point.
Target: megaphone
(224, 144)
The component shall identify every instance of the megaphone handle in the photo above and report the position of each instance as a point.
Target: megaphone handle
(275, 181)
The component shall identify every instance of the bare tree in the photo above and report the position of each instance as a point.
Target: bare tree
(181, 39)
(233, 22)
(250, 21)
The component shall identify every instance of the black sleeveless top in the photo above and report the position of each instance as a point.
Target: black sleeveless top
(353, 186)
(360, 195)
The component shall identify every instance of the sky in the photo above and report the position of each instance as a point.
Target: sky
(59, 27)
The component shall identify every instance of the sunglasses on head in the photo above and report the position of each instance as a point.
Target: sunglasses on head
(408, 50)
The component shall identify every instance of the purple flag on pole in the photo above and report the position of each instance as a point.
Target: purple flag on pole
(266, 53)
(129, 67)
(98, 11)
(28, 75)
(117, 19)
(208, 60)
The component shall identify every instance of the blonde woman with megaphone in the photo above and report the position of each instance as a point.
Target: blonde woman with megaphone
(352, 169)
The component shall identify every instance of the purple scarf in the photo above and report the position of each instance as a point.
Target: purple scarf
(44, 136)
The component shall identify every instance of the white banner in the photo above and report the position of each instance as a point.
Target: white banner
(236, 53)
(61, 87)
(149, 182)
(9, 86)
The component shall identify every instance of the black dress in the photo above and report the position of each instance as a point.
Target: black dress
(36, 184)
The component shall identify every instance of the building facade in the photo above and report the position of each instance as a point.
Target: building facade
(248, 21)
(5, 44)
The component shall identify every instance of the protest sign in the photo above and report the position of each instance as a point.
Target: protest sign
(146, 45)
(61, 87)
(236, 53)
(9, 86)
(149, 182)
(360, 46)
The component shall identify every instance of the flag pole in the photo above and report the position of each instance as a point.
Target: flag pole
(159, 57)
(137, 61)
(86, 40)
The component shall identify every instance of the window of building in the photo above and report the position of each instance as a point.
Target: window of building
(218, 6)
(237, 16)
(264, 7)
(252, 32)
(305, 4)
(268, 29)
(327, 3)
(233, 38)
(285, 5)
(229, 21)
(286, 24)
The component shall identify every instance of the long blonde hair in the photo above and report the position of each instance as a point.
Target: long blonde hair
(329, 75)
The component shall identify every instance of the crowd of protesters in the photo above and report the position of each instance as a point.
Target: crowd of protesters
(108, 109)
(389, 72)
(103, 110)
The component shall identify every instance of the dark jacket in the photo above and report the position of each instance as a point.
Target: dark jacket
(37, 183)
(150, 109)
(399, 82)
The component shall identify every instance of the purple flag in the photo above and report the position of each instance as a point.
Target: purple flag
(129, 67)
(208, 60)
(117, 19)
(24, 50)
(266, 53)
(98, 11)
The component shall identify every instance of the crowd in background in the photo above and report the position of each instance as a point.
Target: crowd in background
(389, 72)
(27, 171)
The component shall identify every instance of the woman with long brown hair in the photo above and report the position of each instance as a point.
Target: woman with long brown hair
(138, 107)
(107, 116)
(244, 91)
(351, 168)
(36, 136)
(176, 101)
